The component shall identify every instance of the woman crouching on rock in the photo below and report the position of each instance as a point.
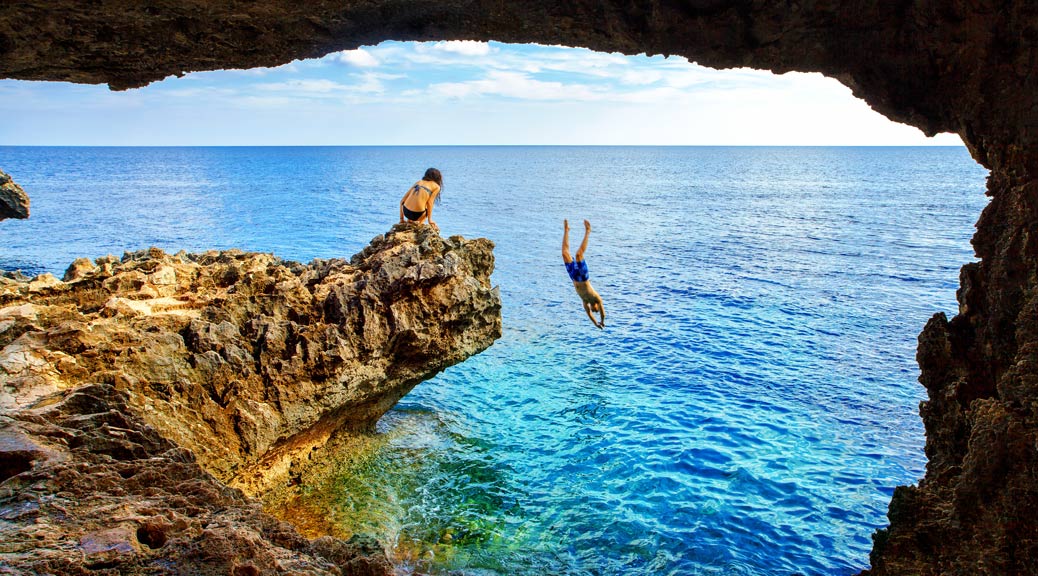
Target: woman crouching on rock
(417, 203)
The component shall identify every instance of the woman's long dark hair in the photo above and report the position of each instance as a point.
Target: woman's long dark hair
(433, 175)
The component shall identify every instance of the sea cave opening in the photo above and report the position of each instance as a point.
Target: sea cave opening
(753, 403)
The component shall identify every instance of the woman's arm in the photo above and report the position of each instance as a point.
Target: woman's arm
(402, 200)
(429, 207)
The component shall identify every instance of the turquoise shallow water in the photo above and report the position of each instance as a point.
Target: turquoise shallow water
(748, 410)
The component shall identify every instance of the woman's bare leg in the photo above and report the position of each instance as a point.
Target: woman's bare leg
(583, 245)
(565, 242)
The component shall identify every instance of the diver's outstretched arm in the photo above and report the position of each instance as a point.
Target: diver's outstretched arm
(587, 309)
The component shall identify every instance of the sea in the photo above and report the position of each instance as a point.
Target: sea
(748, 409)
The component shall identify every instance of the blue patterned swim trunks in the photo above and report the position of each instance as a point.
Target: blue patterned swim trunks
(577, 271)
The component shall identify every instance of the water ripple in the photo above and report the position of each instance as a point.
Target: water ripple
(747, 411)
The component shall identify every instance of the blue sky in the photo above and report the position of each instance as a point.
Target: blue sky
(400, 93)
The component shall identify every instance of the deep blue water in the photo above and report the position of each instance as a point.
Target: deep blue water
(748, 410)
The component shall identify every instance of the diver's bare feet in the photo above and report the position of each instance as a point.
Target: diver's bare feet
(587, 225)
(565, 225)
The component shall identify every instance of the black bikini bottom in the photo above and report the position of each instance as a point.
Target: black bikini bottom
(411, 215)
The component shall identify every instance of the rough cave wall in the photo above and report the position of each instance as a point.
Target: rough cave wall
(965, 66)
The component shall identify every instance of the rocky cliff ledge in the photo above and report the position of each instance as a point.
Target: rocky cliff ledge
(136, 390)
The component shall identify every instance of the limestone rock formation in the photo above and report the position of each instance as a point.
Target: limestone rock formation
(89, 488)
(134, 387)
(940, 65)
(14, 202)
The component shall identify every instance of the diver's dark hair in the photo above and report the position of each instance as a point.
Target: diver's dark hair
(433, 175)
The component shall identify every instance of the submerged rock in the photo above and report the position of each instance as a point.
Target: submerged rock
(14, 202)
(135, 392)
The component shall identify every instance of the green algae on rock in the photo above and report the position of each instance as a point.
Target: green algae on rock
(434, 507)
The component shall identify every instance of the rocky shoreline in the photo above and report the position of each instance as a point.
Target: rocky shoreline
(145, 399)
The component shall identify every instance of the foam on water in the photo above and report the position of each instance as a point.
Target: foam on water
(748, 410)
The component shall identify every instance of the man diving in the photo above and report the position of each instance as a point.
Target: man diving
(577, 270)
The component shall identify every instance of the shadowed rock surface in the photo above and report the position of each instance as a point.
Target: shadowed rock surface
(14, 202)
(942, 65)
(88, 488)
(133, 390)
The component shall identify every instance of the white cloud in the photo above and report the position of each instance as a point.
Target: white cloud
(199, 93)
(641, 77)
(463, 47)
(291, 67)
(373, 82)
(582, 61)
(271, 102)
(462, 53)
(309, 86)
(359, 58)
(513, 85)
(655, 95)
(367, 83)
(689, 77)
(543, 93)
(460, 47)
(438, 55)
(604, 68)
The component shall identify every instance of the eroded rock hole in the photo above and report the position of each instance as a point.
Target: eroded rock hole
(14, 463)
(106, 565)
(152, 535)
(246, 570)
